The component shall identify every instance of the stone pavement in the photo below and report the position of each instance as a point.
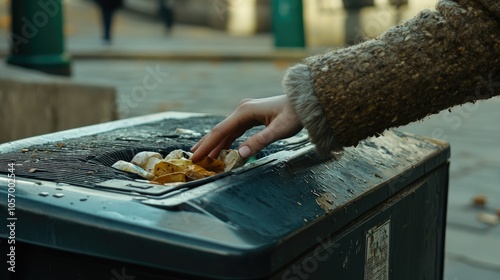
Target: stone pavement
(216, 84)
(472, 247)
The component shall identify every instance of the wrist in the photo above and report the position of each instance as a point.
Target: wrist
(298, 86)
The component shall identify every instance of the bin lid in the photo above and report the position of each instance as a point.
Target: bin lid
(249, 223)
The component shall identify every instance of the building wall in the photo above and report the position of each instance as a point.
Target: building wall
(328, 23)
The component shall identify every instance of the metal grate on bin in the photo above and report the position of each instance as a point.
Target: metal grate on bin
(86, 161)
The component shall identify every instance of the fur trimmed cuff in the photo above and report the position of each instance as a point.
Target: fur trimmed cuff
(298, 85)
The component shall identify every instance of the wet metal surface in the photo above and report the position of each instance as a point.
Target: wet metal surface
(285, 201)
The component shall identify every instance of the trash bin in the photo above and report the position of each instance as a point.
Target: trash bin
(288, 23)
(376, 211)
(37, 39)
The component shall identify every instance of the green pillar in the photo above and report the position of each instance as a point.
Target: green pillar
(288, 23)
(37, 38)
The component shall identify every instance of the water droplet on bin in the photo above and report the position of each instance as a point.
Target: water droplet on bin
(83, 199)
(58, 195)
(43, 194)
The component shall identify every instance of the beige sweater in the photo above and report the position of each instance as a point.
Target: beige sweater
(437, 60)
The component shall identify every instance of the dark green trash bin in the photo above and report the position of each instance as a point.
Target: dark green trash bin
(288, 23)
(378, 212)
(37, 39)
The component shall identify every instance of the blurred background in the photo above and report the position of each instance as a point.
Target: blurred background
(214, 48)
(60, 71)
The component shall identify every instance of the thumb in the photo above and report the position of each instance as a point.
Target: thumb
(257, 142)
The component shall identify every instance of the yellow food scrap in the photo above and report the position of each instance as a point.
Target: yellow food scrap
(181, 162)
(176, 167)
(195, 172)
(170, 178)
(165, 167)
(212, 164)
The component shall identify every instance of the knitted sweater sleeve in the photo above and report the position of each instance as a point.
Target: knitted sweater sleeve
(432, 62)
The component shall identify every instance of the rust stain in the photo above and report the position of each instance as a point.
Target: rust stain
(326, 202)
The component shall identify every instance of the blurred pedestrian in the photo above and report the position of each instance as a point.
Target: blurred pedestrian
(108, 9)
(437, 60)
(166, 10)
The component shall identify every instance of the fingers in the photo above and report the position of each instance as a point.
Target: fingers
(221, 136)
(206, 145)
(226, 143)
(275, 112)
(256, 143)
(195, 147)
(281, 127)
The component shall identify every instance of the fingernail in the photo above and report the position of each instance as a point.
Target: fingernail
(244, 152)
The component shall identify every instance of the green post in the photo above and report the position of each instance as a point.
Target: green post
(37, 38)
(288, 23)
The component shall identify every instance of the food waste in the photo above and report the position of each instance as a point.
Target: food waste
(177, 167)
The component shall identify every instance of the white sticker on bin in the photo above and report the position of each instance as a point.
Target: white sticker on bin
(377, 252)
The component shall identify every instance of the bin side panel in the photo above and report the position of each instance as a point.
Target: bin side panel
(412, 248)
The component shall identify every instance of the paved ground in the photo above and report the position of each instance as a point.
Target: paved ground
(472, 247)
(217, 85)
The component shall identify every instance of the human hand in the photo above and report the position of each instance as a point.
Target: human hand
(276, 113)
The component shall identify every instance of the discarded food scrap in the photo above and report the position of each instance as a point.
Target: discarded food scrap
(487, 218)
(177, 167)
(479, 200)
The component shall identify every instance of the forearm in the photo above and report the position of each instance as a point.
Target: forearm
(435, 61)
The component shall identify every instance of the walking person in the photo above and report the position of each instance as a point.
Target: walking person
(437, 60)
(108, 9)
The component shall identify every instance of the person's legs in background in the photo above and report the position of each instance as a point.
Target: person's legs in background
(166, 10)
(107, 17)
